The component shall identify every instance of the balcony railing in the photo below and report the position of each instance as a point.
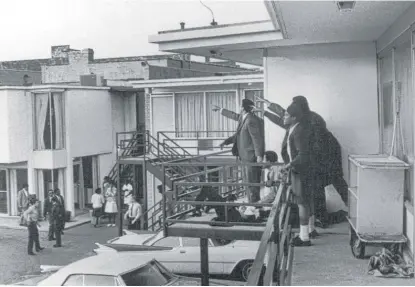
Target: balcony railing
(273, 261)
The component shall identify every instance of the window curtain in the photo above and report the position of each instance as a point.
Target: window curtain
(251, 95)
(13, 191)
(41, 102)
(215, 121)
(59, 120)
(189, 114)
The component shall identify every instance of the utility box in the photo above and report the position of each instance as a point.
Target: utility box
(376, 194)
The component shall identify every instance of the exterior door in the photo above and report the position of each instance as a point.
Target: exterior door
(4, 196)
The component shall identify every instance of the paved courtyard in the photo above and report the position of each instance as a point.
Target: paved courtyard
(77, 243)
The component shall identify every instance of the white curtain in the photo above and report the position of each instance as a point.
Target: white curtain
(215, 121)
(59, 120)
(41, 102)
(13, 191)
(189, 114)
(40, 185)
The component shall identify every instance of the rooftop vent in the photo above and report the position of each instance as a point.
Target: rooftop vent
(346, 6)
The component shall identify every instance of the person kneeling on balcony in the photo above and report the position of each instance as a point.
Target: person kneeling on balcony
(133, 214)
(248, 143)
(297, 158)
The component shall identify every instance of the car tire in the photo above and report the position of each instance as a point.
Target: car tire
(243, 268)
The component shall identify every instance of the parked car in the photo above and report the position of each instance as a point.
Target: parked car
(122, 269)
(181, 255)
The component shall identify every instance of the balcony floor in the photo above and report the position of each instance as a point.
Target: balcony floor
(329, 262)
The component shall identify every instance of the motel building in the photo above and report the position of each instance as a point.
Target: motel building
(353, 61)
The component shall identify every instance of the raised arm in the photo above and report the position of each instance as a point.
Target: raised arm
(275, 119)
(226, 113)
(273, 107)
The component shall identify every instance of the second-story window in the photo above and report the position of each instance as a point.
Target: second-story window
(49, 127)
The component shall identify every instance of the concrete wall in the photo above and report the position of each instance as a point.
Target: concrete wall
(15, 77)
(340, 83)
(90, 122)
(4, 130)
(110, 71)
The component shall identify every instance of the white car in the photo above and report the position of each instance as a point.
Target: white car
(122, 269)
(182, 254)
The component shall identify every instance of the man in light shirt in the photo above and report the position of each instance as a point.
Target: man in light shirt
(97, 204)
(127, 189)
(32, 216)
(133, 214)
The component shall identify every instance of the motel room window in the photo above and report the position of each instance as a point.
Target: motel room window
(49, 127)
(218, 125)
(189, 115)
(3, 191)
(395, 67)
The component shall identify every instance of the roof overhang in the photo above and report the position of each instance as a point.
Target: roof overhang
(200, 81)
(291, 23)
(217, 41)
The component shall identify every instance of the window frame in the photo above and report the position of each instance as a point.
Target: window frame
(50, 93)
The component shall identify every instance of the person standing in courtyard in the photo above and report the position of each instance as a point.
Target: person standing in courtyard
(133, 214)
(57, 219)
(47, 213)
(97, 204)
(127, 189)
(61, 202)
(111, 203)
(23, 202)
(32, 216)
(248, 143)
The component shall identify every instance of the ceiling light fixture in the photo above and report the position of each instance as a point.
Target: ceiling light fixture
(345, 6)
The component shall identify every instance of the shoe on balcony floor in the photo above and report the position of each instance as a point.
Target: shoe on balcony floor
(313, 234)
(296, 241)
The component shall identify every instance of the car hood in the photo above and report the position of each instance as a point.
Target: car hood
(131, 239)
(190, 281)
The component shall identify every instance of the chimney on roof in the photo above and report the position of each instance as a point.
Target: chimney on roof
(207, 59)
(182, 25)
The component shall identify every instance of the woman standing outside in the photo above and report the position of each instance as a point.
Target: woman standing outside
(111, 204)
(97, 204)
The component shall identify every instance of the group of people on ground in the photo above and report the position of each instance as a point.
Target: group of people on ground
(311, 155)
(53, 210)
(106, 204)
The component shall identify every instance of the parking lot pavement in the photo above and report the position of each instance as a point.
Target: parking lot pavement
(78, 243)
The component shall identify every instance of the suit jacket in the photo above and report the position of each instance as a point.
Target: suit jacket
(318, 135)
(22, 199)
(62, 203)
(299, 145)
(249, 136)
(47, 207)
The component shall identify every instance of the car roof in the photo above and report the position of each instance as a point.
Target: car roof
(112, 264)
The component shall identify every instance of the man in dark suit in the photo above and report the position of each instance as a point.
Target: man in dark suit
(249, 141)
(61, 202)
(57, 220)
(47, 212)
(297, 157)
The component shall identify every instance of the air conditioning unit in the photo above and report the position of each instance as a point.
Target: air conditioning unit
(93, 80)
(205, 144)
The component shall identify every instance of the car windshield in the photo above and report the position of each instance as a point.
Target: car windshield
(149, 275)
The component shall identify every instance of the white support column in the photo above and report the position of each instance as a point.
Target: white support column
(69, 200)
